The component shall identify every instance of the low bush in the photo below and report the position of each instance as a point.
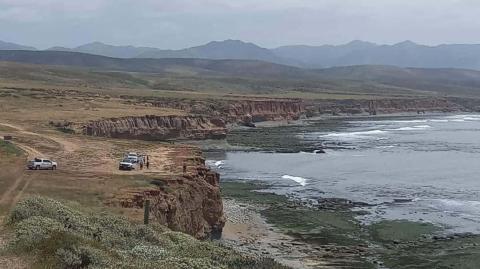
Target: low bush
(8, 148)
(62, 237)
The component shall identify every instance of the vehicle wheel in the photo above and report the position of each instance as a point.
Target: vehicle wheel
(54, 167)
(37, 167)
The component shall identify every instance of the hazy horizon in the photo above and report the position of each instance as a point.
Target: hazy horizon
(245, 41)
(269, 24)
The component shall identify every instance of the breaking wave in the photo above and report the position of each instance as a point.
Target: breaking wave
(462, 118)
(354, 135)
(457, 206)
(372, 134)
(414, 128)
(216, 164)
(300, 180)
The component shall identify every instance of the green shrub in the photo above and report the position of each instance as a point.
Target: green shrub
(9, 148)
(62, 237)
(30, 232)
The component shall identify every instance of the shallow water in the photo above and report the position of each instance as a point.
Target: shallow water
(415, 168)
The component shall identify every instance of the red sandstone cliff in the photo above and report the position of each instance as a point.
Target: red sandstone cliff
(158, 128)
(211, 116)
(245, 111)
(264, 110)
(190, 203)
(382, 106)
(240, 111)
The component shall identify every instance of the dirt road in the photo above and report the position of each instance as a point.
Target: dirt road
(79, 157)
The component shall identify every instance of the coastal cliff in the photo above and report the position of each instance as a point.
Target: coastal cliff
(242, 111)
(157, 128)
(190, 203)
(382, 106)
(264, 110)
(249, 111)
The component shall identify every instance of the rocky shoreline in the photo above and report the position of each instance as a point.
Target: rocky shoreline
(328, 236)
(248, 232)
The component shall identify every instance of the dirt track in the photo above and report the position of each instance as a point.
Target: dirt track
(80, 158)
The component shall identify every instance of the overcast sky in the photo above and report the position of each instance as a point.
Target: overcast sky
(269, 23)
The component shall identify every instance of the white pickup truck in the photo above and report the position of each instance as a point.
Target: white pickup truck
(41, 164)
(127, 164)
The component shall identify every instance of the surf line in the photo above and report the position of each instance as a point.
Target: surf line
(300, 180)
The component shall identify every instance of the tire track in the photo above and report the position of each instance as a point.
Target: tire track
(27, 179)
(9, 198)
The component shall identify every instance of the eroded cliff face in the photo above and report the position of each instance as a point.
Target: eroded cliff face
(158, 128)
(240, 111)
(210, 117)
(264, 110)
(189, 203)
(248, 111)
(382, 106)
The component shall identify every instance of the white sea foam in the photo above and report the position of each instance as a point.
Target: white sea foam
(300, 180)
(412, 128)
(439, 120)
(462, 118)
(472, 118)
(213, 163)
(458, 206)
(386, 147)
(355, 135)
(407, 121)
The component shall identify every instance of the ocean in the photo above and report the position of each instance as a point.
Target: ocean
(419, 168)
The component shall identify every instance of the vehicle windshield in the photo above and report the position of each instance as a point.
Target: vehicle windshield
(127, 161)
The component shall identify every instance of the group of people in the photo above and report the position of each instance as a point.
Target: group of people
(144, 160)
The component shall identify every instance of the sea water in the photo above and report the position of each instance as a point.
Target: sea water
(415, 168)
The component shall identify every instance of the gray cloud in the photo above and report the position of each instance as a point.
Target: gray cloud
(270, 23)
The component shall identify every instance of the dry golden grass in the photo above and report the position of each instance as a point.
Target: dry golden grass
(87, 166)
(35, 108)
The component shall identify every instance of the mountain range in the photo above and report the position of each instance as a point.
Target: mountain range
(404, 54)
(13, 46)
(254, 74)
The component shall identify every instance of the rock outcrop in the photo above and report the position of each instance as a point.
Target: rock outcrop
(250, 111)
(212, 116)
(382, 106)
(190, 203)
(158, 128)
(239, 111)
(266, 110)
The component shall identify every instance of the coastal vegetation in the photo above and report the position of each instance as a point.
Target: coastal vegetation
(9, 149)
(62, 236)
(47, 108)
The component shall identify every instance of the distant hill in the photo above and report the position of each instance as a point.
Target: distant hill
(404, 54)
(253, 74)
(228, 49)
(248, 68)
(102, 49)
(319, 56)
(13, 46)
(440, 80)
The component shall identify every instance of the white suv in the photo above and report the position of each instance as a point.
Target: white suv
(41, 164)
